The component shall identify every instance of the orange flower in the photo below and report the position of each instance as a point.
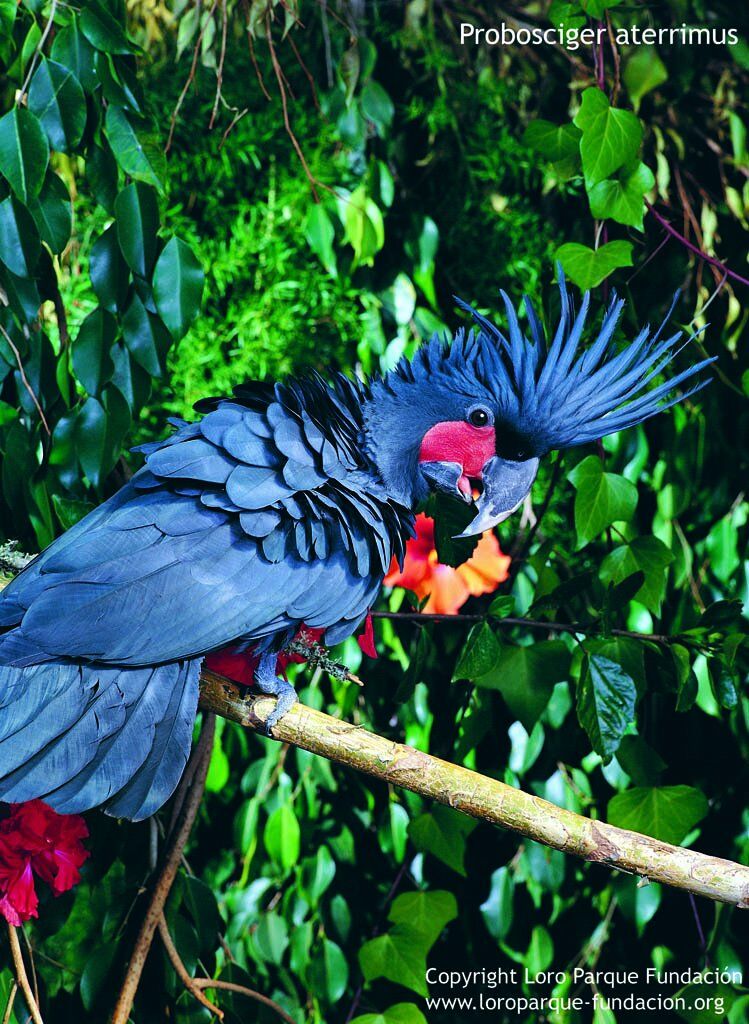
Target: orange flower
(448, 588)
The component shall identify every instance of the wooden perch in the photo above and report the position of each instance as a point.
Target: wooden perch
(482, 797)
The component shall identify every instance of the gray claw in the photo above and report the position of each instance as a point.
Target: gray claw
(268, 682)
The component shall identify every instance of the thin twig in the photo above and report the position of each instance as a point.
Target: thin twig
(285, 107)
(712, 260)
(242, 990)
(182, 973)
(190, 77)
(220, 68)
(38, 50)
(509, 620)
(251, 48)
(21, 976)
(25, 380)
(201, 756)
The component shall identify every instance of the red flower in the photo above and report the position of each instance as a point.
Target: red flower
(448, 589)
(34, 839)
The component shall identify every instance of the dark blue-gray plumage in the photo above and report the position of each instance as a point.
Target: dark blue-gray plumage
(281, 507)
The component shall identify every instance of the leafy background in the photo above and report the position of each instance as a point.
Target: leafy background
(333, 176)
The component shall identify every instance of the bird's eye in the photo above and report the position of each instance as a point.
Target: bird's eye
(479, 417)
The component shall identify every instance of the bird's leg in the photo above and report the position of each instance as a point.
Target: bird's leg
(268, 681)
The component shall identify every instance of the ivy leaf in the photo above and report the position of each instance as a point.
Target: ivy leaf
(19, 238)
(597, 8)
(526, 676)
(643, 72)
(56, 97)
(24, 152)
(328, 971)
(178, 286)
(497, 909)
(611, 137)
(401, 1013)
(558, 143)
(92, 361)
(587, 267)
(442, 832)
(621, 198)
(398, 956)
(667, 813)
(606, 698)
(643, 554)
(136, 210)
(136, 151)
(428, 913)
(601, 499)
(479, 654)
(52, 211)
(282, 836)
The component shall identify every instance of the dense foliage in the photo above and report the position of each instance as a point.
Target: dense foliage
(339, 181)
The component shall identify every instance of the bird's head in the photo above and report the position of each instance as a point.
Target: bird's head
(473, 418)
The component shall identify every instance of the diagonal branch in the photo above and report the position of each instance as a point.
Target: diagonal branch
(484, 798)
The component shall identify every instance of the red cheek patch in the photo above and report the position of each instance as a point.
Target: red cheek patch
(457, 441)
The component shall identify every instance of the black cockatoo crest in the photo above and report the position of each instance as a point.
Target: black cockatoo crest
(484, 409)
(279, 508)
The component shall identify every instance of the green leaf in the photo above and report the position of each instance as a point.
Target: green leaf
(52, 211)
(442, 832)
(643, 554)
(401, 1013)
(135, 150)
(103, 176)
(667, 813)
(318, 873)
(103, 30)
(611, 137)
(597, 8)
(643, 72)
(271, 937)
(178, 286)
(24, 152)
(56, 97)
(74, 51)
(606, 698)
(587, 267)
(377, 106)
(526, 676)
(90, 437)
(364, 226)
(502, 606)
(540, 952)
(146, 338)
(621, 198)
(136, 209)
(398, 956)
(638, 759)
(69, 511)
(99, 967)
(497, 909)
(601, 499)
(479, 654)
(427, 913)
(19, 238)
(92, 361)
(558, 143)
(108, 270)
(282, 836)
(328, 971)
(319, 232)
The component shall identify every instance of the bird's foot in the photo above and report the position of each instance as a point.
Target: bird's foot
(267, 681)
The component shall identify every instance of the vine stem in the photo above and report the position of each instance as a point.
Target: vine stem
(200, 758)
(482, 797)
(21, 976)
(509, 620)
(712, 260)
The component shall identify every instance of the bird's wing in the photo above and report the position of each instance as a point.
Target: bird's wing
(245, 524)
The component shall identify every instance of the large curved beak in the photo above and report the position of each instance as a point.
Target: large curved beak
(505, 485)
